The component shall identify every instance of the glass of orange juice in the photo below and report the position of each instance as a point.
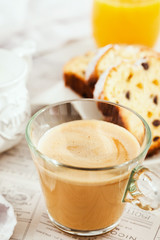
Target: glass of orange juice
(126, 21)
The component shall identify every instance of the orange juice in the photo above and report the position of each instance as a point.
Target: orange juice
(126, 21)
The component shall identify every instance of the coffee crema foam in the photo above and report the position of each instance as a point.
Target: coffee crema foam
(89, 144)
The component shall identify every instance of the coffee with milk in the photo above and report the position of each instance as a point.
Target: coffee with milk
(79, 193)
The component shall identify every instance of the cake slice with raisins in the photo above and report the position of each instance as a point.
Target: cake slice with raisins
(111, 55)
(137, 86)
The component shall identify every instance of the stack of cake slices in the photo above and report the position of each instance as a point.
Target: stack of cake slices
(124, 74)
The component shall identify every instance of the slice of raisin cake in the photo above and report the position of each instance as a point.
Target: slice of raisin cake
(74, 75)
(137, 86)
(111, 55)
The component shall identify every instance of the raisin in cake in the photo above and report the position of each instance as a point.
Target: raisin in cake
(112, 55)
(74, 75)
(137, 86)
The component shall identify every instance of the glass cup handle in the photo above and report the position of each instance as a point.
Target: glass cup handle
(143, 189)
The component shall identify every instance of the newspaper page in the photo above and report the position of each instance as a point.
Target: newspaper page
(20, 186)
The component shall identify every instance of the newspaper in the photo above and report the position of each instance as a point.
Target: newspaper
(20, 186)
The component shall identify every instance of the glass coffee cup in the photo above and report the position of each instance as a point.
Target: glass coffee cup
(88, 200)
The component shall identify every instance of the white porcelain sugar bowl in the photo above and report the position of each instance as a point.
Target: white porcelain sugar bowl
(14, 98)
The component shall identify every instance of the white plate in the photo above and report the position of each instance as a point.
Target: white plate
(56, 94)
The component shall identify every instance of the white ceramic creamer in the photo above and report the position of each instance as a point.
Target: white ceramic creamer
(14, 98)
